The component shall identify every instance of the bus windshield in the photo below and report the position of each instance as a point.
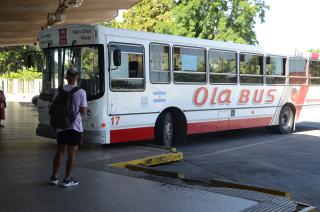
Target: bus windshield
(86, 59)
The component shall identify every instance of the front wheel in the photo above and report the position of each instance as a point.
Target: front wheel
(164, 130)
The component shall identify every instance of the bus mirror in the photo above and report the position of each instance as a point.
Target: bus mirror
(117, 57)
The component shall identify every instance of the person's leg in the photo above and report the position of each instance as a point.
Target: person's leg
(72, 151)
(58, 159)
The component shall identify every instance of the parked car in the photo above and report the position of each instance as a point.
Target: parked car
(34, 100)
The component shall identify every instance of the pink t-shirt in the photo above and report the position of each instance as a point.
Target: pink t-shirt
(79, 100)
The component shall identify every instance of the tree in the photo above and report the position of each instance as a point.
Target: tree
(314, 50)
(145, 15)
(17, 58)
(226, 20)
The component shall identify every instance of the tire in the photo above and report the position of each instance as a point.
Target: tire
(286, 120)
(164, 133)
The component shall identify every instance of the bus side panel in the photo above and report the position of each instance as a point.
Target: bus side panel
(126, 128)
(248, 106)
(311, 105)
(285, 98)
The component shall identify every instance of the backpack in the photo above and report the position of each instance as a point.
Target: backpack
(61, 110)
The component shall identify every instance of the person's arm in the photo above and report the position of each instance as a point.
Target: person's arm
(83, 104)
(83, 110)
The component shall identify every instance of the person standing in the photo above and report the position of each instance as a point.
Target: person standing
(70, 139)
(3, 105)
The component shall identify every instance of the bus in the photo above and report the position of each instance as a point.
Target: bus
(147, 86)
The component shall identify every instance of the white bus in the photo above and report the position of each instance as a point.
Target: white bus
(146, 86)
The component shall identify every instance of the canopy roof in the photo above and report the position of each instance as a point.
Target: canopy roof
(21, 20)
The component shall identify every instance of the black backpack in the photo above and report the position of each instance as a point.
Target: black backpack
(61, 110)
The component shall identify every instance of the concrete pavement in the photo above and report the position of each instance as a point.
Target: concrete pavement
(25, 162)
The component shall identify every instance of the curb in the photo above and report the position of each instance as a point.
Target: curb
(218, 183)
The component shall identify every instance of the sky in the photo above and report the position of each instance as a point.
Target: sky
(290, 25)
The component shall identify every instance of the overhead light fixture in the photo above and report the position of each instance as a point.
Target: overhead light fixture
(73, 3)
(55, 18)
(58, 16)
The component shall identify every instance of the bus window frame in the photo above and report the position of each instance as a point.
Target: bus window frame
(311, 77)
(206, 65)
(170, 63)
(263, 69)
(237, 66)
(143, 63)
(298, 77)
(285, 70)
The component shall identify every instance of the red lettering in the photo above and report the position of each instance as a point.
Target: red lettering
(213, 96)
(270, 96)
(225, 97)
(258, 99)
(244, 96)
(203, 93)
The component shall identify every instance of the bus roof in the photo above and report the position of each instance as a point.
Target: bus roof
(180, 40)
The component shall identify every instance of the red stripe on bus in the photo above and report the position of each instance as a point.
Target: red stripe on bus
(213, 126)
(147, 133)
(132, 134)
(301, 99)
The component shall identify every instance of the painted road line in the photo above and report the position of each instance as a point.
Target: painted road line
(246, 146)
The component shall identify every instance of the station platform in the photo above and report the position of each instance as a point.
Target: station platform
(26, 162)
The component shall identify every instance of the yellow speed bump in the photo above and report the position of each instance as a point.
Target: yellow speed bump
(152, 161)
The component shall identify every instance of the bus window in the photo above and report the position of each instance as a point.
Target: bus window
(251, 68)
(276, 70)
(223, 66)
(130, 74)
(90, 72)
(189, 65)
(297, 71)
(314, 67)
(159, 63)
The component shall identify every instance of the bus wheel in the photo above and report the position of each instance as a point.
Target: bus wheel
(286, 120)
(164, 130)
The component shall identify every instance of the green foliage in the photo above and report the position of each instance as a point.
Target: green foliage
(225, 20)
(26, 74)
(314, 50)
(145, 15)
(17, 58)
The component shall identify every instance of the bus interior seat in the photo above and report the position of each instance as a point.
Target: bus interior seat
(133, 69)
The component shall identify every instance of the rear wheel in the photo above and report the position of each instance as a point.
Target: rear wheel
(165, 130)
(286, 122)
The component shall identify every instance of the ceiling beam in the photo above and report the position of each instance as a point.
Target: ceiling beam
(22, 20)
